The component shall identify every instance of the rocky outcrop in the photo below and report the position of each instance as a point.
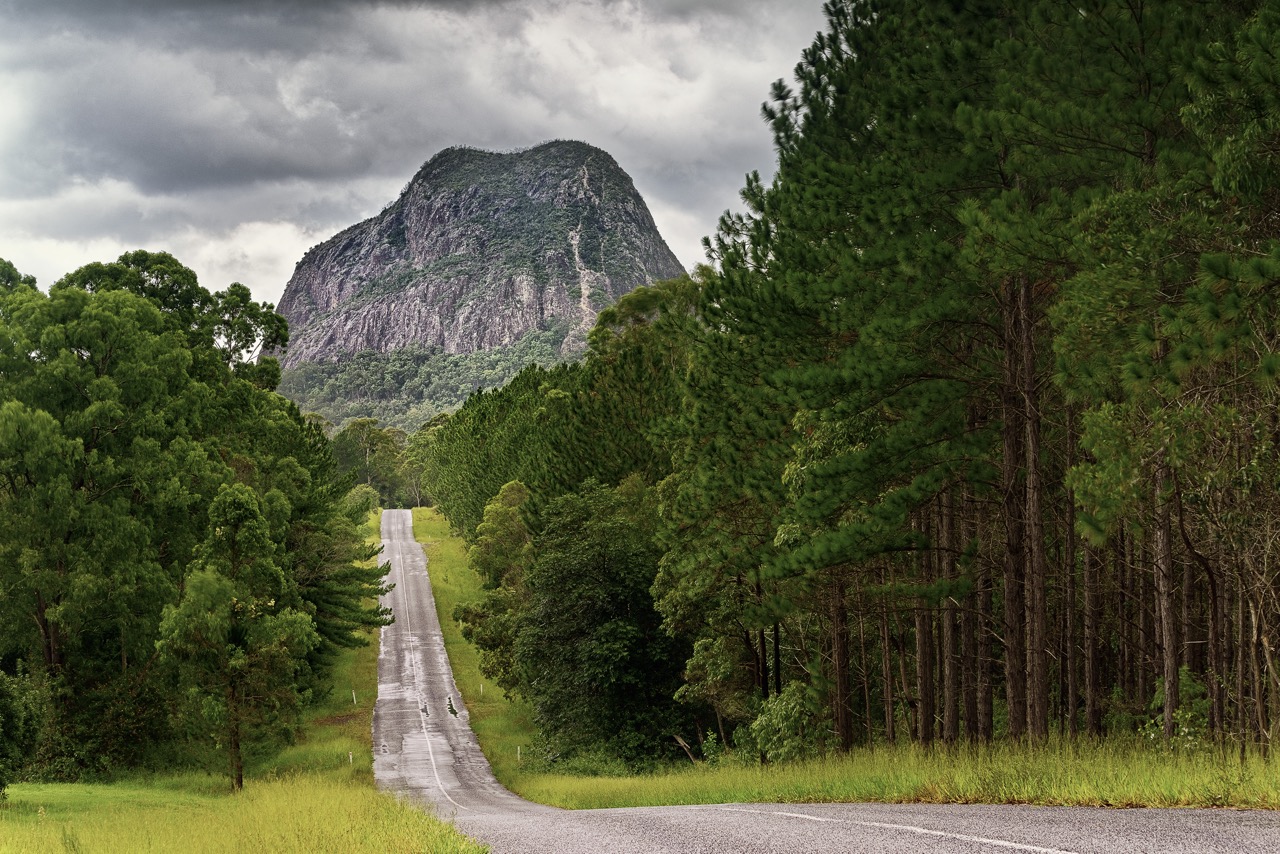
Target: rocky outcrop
(480, 249)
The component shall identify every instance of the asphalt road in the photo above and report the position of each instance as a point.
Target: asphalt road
(425, 751)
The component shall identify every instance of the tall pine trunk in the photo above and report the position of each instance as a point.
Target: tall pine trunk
(234, 754)
(1013, 433)
(1037, 561)
(886, 675)
(840, 664)
(950, 653)
(1163, 536)
(1092, 645)
(925, 671)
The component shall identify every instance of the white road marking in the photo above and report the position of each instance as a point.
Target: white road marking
(910, 828)
(413, 663)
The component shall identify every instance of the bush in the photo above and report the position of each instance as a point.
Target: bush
(21, 713)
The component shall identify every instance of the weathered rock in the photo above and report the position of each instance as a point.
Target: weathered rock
(480, 250)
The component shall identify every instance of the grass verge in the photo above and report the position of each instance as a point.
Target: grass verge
(315, 795)
(1106, 775)
(1116, 773)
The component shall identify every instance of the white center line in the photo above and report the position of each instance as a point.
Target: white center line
(413, 664)
(910, 828)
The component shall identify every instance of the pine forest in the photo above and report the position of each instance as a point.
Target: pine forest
(967, 432)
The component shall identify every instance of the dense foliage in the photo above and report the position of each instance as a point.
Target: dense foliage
(970, 430)
(178, 554)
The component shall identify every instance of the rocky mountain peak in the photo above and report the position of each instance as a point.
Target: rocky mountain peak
(480, 250)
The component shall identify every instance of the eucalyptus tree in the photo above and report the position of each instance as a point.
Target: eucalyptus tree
(238, 647)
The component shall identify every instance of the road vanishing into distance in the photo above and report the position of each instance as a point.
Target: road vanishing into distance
(424, 751)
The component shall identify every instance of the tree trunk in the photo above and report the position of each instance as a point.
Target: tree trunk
(1215, 680)
(1136, 555)
(905, 686)
(864, 670)
(1013, 434)
(233, 738)
(777, 658)
(1255, 668)
(840, 663)
(950, 652)
(1092, 645)
(925, 670)
(1069, 636)
(971, 664)
(50, 643)
(764, 665)
(1242, 646)
(986, 623)
(886, 675)
(1037, 561)
(1165, 600)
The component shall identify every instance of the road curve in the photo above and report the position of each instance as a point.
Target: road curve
(428, 754)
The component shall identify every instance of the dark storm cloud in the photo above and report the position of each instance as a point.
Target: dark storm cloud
(129, 122)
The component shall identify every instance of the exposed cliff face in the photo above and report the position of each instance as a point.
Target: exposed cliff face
(479, 250)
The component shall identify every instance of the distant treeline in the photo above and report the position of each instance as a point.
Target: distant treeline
(970, 432)
(180, 555)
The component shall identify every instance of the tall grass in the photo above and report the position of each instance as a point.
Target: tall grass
(1126, 774)
(315, 795)
(1118, 773)
(297, 813)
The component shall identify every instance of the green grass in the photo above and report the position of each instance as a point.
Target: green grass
(1109, 775)
(315, 795)
(1117, 773)
(299, 812)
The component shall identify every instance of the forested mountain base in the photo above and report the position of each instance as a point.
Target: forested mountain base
(407, 388)
(970, 432)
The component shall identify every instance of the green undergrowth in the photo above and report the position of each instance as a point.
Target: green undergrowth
(1115, 773)
(315, 795)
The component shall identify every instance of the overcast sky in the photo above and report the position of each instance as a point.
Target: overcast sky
(238, 134)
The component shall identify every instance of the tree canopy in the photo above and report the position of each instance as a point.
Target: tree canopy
(131, 414)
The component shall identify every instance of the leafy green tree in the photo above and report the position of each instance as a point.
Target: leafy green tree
(371, 454)
(502, 543)
(237, 649)
(590, 650)
(1013, 283)
(10, 278)
(122, 415)
(98, 463)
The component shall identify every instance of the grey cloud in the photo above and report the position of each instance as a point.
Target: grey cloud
(210, 114)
